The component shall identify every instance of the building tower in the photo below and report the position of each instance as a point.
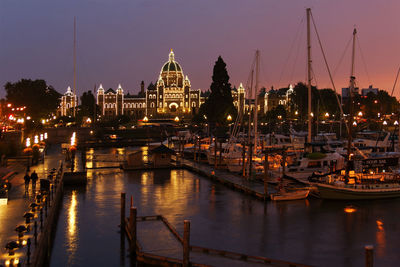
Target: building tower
(100, 98)
(119, 101)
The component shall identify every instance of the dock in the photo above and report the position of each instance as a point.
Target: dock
(234, 181)
(175, 249)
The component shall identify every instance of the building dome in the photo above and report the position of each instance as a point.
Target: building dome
(171, 64)
(171, 72)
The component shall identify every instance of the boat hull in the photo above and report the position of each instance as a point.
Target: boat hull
(334, 192)
(296, 195)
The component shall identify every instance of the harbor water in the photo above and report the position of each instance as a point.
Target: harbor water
(312, 231)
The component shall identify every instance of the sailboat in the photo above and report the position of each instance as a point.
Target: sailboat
(349, 185)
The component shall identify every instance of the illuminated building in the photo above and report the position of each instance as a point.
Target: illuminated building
(171, 96)
(69, 101)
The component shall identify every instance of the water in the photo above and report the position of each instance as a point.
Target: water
(316, 232)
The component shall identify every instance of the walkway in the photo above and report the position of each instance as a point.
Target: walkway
(251, 187)
(11, 214)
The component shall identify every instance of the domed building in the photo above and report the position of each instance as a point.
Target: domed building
(173, 94)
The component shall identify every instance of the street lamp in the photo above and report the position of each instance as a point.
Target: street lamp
(145, 119)
(229, 118)
(176, 119)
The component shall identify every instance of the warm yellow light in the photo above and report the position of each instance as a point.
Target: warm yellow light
(296, 112)
(7, 261)
(350, 209)
(145, 119)
(354, 123)
(23, 242)
(88, 120)
(28, 142)
(312, 114)
(41, 137)
(229, 118)
(384, 122)
(36, 140)
(9, 105)
(396, 123)
(43, 121)
(28, 118)
(176, 119)
(16, 262)
(45, 135)
(327, 114)
(360, 114)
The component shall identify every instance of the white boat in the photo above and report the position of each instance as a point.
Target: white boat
(317, 162)
(360, 187)
(291, 195)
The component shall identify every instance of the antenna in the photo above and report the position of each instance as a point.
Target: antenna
(309, 75)
(75, 100)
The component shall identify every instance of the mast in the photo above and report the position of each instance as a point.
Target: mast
(248, 164)
(309, 75)
(256, 100)
(75, 98)
(351, 92)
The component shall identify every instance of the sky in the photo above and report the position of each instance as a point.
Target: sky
(127, 41)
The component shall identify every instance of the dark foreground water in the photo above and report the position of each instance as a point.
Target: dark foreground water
(316, 232)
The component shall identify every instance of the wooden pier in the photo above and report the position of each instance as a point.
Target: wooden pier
(234, 181)
(191, 255)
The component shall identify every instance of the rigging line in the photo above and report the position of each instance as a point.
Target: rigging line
(297, 56)
(342, 57)
(329, 72)
(291, 47)
(363, 59)
(395, 81)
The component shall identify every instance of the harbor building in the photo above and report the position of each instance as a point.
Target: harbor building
(68, 104)
(172, 96)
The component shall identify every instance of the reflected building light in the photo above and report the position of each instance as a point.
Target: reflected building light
(72, 235)
(350, 209)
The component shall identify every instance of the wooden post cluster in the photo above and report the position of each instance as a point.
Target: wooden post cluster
(132, 227)
(369, 256)
(266, 170)
(186, 243)
(123, 199)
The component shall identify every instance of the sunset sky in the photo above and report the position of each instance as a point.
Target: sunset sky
(128, 41)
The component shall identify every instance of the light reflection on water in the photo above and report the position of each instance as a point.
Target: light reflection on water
(72, 236)
(315, 232)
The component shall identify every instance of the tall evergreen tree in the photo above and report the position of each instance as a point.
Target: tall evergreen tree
(220, 102)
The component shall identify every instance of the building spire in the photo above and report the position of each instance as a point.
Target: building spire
(171, 56)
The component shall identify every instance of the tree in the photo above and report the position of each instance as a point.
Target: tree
(88, 104)
(220, 102)
(39, 98)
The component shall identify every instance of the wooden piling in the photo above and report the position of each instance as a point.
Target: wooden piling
(215, 153)
(266, 169)
(35, 233)
(132, 228)
(186, 243)
(123, 197)
(220, 153)
(244, 159)
(369, 256)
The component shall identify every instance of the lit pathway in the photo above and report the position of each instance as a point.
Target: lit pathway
(11, 214)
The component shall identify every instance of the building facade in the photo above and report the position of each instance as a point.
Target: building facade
(171, 97)
(68, 104)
